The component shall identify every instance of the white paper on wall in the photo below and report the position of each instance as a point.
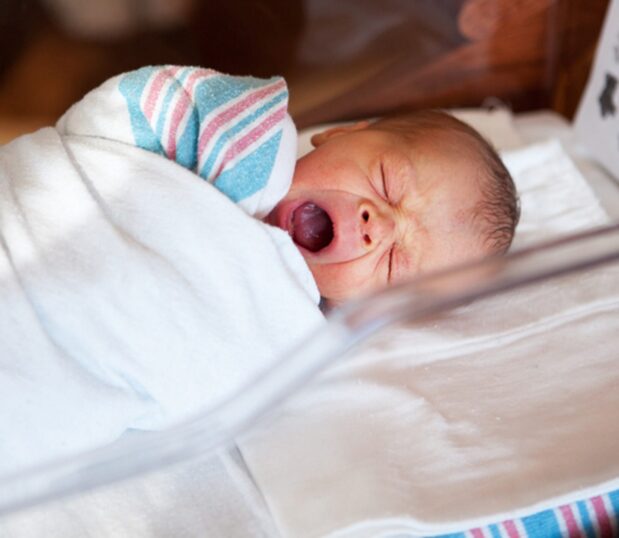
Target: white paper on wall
(597, 119)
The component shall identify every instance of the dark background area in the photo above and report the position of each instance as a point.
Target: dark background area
(343, 60)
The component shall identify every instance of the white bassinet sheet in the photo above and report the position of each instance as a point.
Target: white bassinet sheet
(546, 125)
(423, 429)
(504, 407)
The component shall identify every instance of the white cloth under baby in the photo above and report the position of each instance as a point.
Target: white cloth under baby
(500, 409)
(134, 294)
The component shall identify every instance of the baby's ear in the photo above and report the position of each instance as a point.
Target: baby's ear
(320, 138)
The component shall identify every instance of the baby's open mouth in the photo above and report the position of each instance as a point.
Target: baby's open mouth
(311, 227)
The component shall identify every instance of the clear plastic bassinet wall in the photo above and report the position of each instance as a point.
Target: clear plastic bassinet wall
(485, 395)
(470, 397)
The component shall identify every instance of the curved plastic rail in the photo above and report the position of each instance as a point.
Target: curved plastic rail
(346, 327)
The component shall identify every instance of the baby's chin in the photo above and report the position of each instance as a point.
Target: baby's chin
(283, 217)
(336, 284)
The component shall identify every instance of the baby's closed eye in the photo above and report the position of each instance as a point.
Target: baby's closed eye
(390, 263)
(384, 183)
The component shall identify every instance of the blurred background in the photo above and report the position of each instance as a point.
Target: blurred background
(343, 59)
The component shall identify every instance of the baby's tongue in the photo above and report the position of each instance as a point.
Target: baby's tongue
(311, 227)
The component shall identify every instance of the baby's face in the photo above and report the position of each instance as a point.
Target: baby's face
(368, 208)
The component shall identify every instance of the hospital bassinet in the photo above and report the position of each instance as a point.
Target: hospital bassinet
(479, 402)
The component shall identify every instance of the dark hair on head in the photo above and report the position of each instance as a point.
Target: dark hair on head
(500, 206)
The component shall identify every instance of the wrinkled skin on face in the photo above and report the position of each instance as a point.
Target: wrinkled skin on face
(369, 207)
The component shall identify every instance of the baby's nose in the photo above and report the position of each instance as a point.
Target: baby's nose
(375, 226)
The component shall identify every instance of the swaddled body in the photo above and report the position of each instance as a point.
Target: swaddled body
(128, 302)
(142, 281)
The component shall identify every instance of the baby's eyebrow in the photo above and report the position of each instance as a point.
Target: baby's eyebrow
(382, 177)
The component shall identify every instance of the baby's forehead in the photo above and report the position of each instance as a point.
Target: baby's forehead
(439, 144)
(454, 174)
(455, 157)
(445, 136)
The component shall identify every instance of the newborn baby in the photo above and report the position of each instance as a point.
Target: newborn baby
(161, 246)
(379, 203)
(373, 204)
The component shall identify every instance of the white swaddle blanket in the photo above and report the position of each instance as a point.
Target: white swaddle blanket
(133, 292)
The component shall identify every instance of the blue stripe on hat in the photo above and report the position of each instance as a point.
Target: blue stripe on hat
(229, 135)
(175, 87)
(251, 173)
(587, 524)
(132, 86)
(187, 147)
(495, 531)
(613, 496)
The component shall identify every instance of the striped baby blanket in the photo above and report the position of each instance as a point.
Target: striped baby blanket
(595, 517)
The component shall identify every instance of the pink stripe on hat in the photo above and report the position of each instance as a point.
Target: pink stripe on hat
(155, 89)
(234, 110)
(182, 105)
(252, 136)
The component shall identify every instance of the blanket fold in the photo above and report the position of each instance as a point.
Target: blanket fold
(135, 293)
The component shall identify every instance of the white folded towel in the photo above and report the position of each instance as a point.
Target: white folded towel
(504, 407)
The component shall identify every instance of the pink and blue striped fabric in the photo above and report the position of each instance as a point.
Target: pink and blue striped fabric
(225, 128)
(596, 517)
